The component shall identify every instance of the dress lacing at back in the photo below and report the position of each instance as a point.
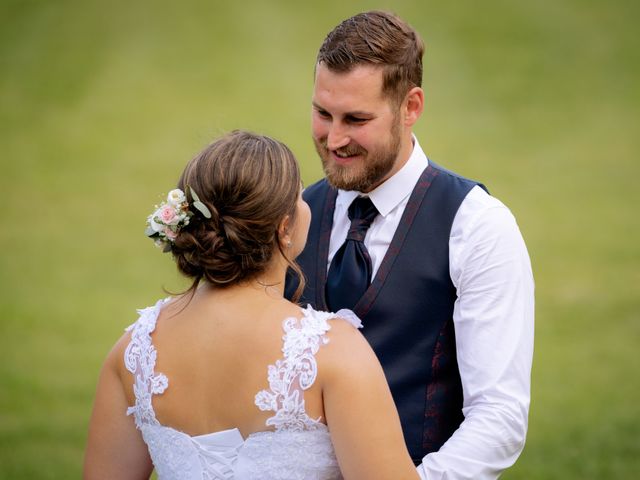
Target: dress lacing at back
(295, 447)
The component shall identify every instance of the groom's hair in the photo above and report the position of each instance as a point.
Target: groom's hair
(380, 39)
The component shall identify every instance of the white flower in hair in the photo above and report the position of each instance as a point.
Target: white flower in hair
(175, 197)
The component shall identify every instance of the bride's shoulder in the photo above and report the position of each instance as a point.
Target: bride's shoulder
(345, 347)
(144, 324)
(343, 316)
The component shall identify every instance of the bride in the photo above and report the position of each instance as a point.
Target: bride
(229, 380)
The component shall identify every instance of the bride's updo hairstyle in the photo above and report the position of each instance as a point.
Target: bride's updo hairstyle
(249, 183)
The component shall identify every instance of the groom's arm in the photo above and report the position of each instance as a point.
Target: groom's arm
(493, 319)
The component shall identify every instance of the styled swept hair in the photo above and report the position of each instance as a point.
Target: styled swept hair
(381, 39)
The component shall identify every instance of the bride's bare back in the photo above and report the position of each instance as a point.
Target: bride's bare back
(215, 352)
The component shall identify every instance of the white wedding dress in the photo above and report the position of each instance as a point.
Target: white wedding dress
(297, 446)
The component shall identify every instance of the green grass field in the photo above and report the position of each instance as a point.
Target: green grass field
(102, 103)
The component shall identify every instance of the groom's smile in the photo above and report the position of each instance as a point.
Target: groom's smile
(356, 129)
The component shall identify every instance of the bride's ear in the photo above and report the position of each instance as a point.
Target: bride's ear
(284, 232)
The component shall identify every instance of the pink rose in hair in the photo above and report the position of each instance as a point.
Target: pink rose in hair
(170, 234)
(168, 215)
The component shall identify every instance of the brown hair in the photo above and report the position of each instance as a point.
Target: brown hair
(249, 183)
(377, 38)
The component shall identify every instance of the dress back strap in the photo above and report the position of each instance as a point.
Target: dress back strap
(140, 359)
(296, 371)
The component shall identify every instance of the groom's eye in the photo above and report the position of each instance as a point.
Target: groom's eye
(356, 120)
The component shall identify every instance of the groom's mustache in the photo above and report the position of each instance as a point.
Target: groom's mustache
(346, 151)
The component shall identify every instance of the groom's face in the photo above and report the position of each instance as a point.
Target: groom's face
(356, 129)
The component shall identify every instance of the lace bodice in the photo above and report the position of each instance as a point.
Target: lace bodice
(298, 447)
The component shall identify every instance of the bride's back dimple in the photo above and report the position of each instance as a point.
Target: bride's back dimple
(216, 361)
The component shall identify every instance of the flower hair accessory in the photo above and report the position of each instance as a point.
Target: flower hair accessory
(171, 216)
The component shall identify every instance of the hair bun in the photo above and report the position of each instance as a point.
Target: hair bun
(249, 183)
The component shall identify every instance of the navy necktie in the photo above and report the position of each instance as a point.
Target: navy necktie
(350, 270)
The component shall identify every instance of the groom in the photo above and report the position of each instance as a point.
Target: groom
(434, 266)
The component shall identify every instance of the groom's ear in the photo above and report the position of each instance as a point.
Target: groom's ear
(413, 106)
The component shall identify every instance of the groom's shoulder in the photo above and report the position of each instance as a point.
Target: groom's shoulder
(317, 191)
(455, 178)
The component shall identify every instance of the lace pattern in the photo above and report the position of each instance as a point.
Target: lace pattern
(296, 371)
(140, 359)
(289, 456)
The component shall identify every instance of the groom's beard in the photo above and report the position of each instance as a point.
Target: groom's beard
(367, 172)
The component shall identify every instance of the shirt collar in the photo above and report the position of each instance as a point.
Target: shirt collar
(395, 189)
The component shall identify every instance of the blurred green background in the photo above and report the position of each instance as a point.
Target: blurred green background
(102, 104)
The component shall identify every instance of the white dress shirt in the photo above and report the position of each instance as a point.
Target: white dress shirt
(493, 317)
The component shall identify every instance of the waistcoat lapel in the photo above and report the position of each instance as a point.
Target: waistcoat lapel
(323, 248)
(415, 200)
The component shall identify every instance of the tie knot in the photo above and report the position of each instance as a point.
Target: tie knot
(362, 212)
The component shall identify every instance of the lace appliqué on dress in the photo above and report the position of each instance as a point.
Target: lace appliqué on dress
(140, 359)
(295, 372)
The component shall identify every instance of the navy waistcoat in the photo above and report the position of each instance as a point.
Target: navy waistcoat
(407, 311)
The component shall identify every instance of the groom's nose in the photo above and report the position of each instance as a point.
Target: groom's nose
(337, 137)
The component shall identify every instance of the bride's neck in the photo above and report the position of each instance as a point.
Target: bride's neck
(269, 284)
